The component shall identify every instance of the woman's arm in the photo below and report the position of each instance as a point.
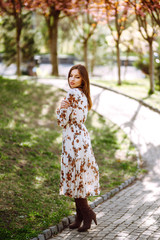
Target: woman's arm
(65, 104)
(65, 109)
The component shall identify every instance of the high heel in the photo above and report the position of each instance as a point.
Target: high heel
(95, 220)
(88, 215)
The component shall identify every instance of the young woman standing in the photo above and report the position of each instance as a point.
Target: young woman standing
(79, 170)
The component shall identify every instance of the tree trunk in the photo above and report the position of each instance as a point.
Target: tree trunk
(85, 47)
(151, 67)
(18, 58)
(53, 37)
(93, 56)
(126, 63)
(118, 62)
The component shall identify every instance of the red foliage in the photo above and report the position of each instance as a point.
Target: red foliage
(145, 7)
(11, 6)
(44, 6)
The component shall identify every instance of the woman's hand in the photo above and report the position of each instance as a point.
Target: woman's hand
(65, 104)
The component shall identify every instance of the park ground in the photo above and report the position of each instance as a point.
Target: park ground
(30, 155)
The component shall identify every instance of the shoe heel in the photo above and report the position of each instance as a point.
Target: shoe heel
(95, 220)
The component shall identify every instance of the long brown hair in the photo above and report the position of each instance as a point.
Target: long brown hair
(85, 86)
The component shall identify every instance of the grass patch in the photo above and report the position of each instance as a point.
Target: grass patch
(30, 150)
(137, 88)
(115, 154)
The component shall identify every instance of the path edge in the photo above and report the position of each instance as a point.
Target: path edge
(126, 95)
(54, 230)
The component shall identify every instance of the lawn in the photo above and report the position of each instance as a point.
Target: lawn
(137, 88)
(30, 150)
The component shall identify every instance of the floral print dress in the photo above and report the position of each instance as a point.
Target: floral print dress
(79, 170)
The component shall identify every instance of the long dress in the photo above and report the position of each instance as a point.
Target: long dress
(79, 170)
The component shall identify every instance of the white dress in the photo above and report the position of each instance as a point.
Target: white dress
(79, 170)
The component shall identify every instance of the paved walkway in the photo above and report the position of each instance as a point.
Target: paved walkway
(133, 213)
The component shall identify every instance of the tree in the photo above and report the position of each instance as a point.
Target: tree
(9, 41)
(147, 28)
(14, 8)
(153, 8)
(85, 24)
(28, 47)
(51, 10)
(117, 14)
(66, 38)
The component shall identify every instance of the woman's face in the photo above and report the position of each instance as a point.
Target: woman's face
(75, 79)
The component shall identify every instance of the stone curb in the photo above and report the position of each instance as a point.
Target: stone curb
(136, 99)
(53, 230)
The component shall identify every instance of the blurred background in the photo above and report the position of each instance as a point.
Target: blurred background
(116, 40)
(119, 43)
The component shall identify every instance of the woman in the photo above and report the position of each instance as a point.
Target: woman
(79, 171)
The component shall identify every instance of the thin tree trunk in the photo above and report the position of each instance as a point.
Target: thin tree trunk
(54, 50)
(118, 62)
(18, 58)
(85, 47)
(93, 56)
(151, 67)
(126, 63)
(53, 37)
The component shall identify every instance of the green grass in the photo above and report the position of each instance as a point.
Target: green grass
(114, 153)
(30, 150)
(137, 88)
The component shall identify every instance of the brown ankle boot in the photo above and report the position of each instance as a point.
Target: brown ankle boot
(79, 217)
(87, 213)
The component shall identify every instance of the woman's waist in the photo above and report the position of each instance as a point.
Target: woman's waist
(75, 124)
(75, 127)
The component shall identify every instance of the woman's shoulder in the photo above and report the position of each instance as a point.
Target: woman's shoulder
(74, 91)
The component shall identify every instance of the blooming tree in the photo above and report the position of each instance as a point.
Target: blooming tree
(117, 12)
(52, 10)
(153, 8)
(148, 29)
(85, 22)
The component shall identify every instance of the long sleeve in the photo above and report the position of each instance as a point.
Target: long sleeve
(76, 113)
(63, 116)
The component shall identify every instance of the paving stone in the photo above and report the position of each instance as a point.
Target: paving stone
(98, 201)
(47, 233)
(113, 192)
(41, 237)
(87, 238)
(71, 219)
(54, 230)
(60, 227)
(108, 194)
(116, 190)
(65, 222)
(105, 197)
(121, 187)
(92, 205)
